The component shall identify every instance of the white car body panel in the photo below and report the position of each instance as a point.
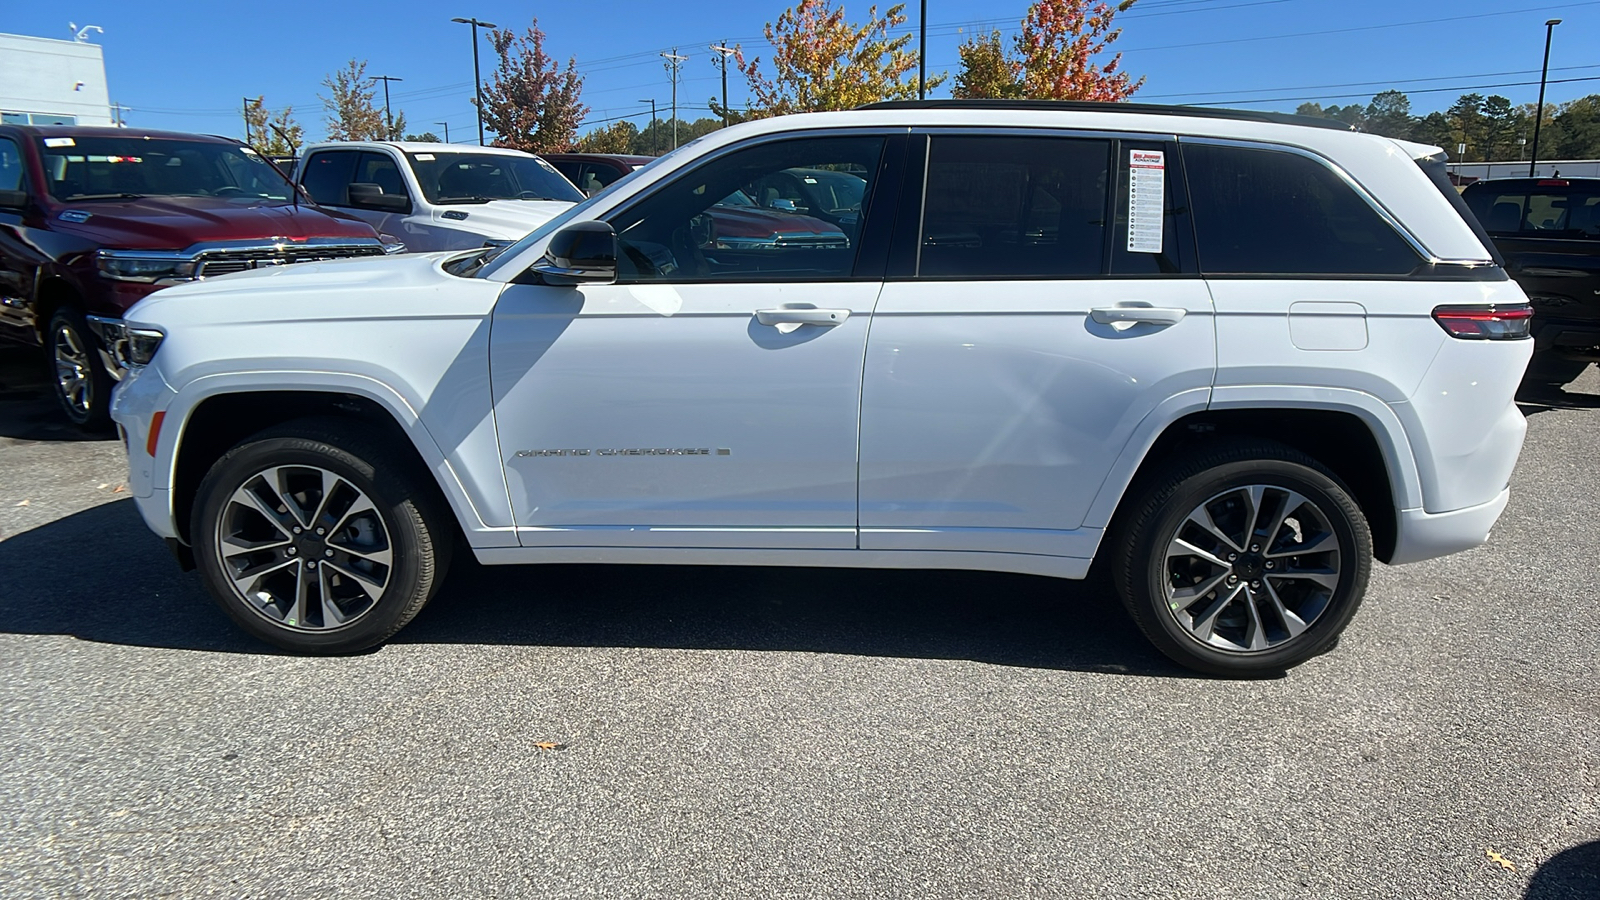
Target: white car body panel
(942, 424)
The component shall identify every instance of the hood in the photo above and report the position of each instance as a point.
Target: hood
(175, 223)
(753, 221)
(501, 219)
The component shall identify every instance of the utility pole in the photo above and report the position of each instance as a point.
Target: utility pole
(673, 62)
(477, 81)
(922, 53)
(446, 127)
(247, 102)
(1538, 113)
(724, 52)
(118, 109)
(653, 132)
(388, 119)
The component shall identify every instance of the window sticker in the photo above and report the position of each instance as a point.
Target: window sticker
(60, 142)
(1147, 191)
(424, 157)
(248, 151)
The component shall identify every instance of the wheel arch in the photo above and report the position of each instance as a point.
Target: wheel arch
(1363, 447)
(219, 417)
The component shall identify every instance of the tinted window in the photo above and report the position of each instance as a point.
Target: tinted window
(1140, 168)
(759, 214)
(102, 167)
(10, 165)
(380, 169)
(448, 178)
(1003, 207)
(1540, 210)
(1269, 212)
(328, 174)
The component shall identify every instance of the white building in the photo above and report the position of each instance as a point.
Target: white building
(1547, 168)
(49, 82)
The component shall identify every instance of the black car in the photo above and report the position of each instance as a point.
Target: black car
(1548, 230)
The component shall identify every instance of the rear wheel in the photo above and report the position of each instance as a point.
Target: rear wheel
(317, 540)
(82, 385)
(1246, 560)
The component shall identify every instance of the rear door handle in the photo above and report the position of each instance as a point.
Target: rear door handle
(787, 320)
(1137, 314)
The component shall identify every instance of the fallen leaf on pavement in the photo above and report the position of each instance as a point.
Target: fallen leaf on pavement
(103, 487)
(25, 503)
(120, 489)
(1504, 863)
(549, 745)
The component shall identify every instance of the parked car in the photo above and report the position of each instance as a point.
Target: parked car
(433, 196)
(94, 219)
(594, 172)
(1548, 231)
(1231, 357)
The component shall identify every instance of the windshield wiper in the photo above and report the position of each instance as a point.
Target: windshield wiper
(124, 196)
(463, 199)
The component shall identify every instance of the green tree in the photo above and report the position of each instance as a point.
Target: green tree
(822, 62)
(1389, 114)
(987, 72)
(1466, 119)
(618, 137)
(1576, 128)
(1501, 125)
(1436, 128)
(530, 102)
(278, 135)
(349, 110)
(427, 137)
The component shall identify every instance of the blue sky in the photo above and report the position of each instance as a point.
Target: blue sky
(186, 65)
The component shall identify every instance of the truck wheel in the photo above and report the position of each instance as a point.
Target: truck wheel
(318, 540)
(1244, 560)
(81, 382)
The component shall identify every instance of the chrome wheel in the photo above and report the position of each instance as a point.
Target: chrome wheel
(304, 548)
(74, 369)
(1252, 568)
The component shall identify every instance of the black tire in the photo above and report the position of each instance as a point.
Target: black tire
(1144, 573)
(406, 512)
(1549, 371)
(68, 343)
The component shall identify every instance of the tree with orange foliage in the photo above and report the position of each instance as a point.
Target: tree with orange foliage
(1055, 56)
(530, 103)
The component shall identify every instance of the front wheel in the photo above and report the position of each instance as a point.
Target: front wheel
(82, 385)
(318, 540)
(1245, 560)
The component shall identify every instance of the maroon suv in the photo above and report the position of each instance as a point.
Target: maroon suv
(94, 219)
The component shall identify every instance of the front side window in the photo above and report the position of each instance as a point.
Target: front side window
(1014, 207)
(10, 165)
(456, 178)
(1543, 211)
(380, 169)
(95, 168)
(1269, 212)
(785, 210)
(327, 176)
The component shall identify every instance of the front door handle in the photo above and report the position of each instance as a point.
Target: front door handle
(1130, 314)
(787, 320)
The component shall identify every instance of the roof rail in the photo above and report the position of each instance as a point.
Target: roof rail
(1147, 109)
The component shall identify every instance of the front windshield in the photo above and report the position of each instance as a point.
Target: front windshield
(501, 258)
(117, 167)
(448, 178)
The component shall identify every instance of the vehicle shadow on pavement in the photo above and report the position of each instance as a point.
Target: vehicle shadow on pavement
(129, 591)
(28, 410)
(1572, 874)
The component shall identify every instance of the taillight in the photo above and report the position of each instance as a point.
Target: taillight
(1485, 323)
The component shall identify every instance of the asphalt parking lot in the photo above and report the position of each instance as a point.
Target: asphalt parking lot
(784, 732)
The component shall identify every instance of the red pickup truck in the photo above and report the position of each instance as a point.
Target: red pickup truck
(94, 219)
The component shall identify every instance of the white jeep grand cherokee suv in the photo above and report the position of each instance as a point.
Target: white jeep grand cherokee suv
(1233, 357)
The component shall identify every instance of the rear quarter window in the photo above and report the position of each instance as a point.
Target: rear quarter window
(1270, 212)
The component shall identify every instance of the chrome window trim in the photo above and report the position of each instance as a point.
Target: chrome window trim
(1428, 256)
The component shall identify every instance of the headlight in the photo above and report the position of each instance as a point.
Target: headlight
(144, 266)
(142, 345)
(128, 345)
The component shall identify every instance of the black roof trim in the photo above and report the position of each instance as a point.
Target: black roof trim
(1147, 109)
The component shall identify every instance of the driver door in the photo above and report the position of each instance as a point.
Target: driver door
(710, 397)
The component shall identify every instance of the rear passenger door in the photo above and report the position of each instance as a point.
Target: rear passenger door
(1043, 300)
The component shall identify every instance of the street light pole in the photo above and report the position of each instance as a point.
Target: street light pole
(446, 127)
(652, 102)
(725, 52)
(477, 81)
(922, 53)
(387, 117)
(674, 60)
(1538, 113)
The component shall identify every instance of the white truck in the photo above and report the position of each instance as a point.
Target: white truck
(432, 196)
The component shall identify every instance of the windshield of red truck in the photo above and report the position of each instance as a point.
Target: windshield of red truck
(117, 167)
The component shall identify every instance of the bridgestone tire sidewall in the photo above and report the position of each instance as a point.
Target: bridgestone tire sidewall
(415, 569)
(1355, 559)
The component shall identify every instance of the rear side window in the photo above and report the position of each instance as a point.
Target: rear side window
(327, 176)
(1010, 207)
(10, 165)
(1269, 212)
(1537, 210)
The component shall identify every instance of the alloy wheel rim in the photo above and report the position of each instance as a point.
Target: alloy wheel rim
(72, 369)
(304, 548)
(1252, 569)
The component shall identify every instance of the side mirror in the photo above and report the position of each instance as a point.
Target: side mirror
(13, 199)
(784, 204)
(366, 195)
(581, 253)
